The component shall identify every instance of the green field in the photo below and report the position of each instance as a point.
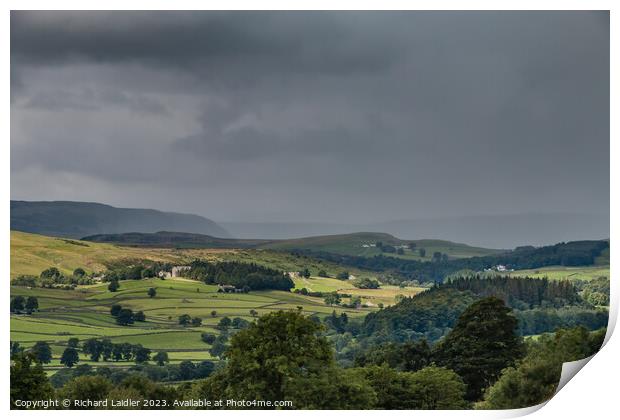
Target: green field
(565, 273)
(386, 294)
(84, 313)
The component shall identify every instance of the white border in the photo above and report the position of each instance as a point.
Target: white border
(593, 395)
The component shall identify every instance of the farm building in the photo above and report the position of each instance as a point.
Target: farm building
(227, 288)
(177, 270)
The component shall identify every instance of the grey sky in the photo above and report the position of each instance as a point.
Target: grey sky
(339, 117)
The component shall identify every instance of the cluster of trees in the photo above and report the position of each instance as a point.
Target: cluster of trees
(343, 275)
(330, 298)
(184, 371)
(306, 292)
(518, 292)
(366, 283)
(541, 320)
(596, 291)
(54, 278)
(42, 352)
(125, 316)
(284, 356)
(541, 305)
(218, 343)
(103, 349)
(30, 382)
(71, 356)
(224, 323)
(238, 274)
(534, 378)
(578, 253)
(451, 375)
(237, 323)
(409, 356)
(430, 315)
(482, 343)
(337, 322)
(186, 320)
(20, 304)
(125, 270)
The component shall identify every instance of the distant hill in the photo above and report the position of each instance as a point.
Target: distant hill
(75, 219)
(489, 231)
(364, 244)
(354, 244)
(174, 240)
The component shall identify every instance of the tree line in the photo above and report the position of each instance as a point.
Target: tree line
(52, 277)
(240, 275)
(125, 316)
(578, 253)
(521, 292)
(20, 304)
(430, 315)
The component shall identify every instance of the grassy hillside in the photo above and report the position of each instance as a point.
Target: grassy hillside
(565, 273)
(31, 254)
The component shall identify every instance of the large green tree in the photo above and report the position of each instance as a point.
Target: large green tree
(28, 380)
(409, 356)
(70, 357)
(32, 304)
(137, 387)
(42, 351)
(125, 317)
(431, 388)
(161, 358)
(17, 304)
(283, 356)
(94, 388)
(535, 379)
(436, 388)
(482, 343)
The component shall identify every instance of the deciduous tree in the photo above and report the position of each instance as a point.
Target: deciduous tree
(483, 342)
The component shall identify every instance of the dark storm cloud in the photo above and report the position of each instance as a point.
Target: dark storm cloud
(340, 116)
(303, 42)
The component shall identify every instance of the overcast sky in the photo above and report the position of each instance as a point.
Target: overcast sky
(342, 117)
